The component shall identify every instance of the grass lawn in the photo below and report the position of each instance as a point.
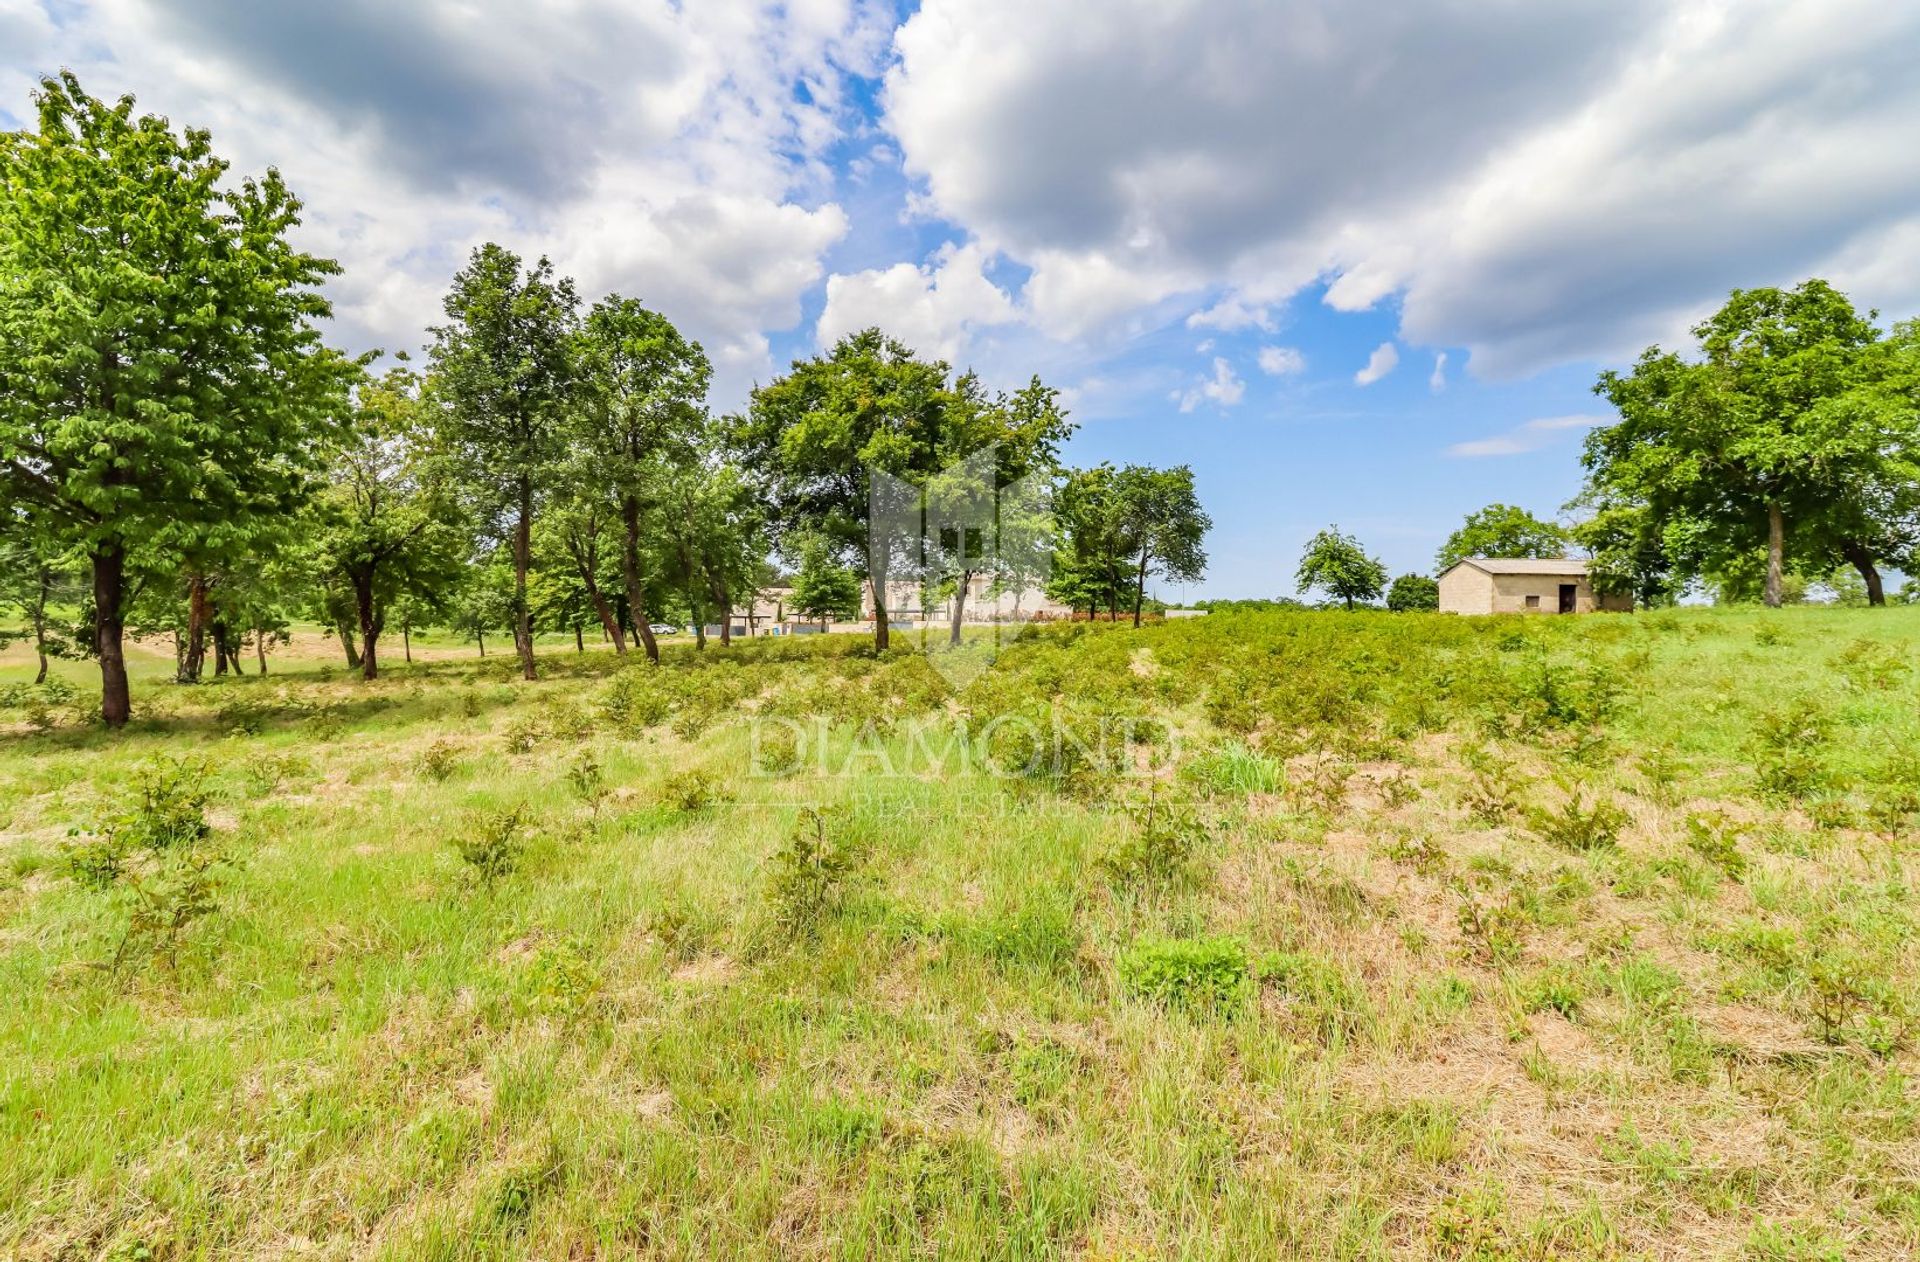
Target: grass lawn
(1239, 937)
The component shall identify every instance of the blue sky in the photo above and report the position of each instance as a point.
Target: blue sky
(1202, 221)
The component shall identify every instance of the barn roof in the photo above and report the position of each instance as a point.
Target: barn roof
(1524, 565)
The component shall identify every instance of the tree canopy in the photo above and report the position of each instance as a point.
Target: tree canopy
(1338, 565)
(1501, 530)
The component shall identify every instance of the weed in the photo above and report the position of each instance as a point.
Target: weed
(439, 760)
(1234, 769)
(523, 733)
(1788, 746)
(1161, 847)
(1199, 976)
(1716, 839)
(1871, 666)
(493, 844)
(810, 875)
(693, 790)
(1577, 826)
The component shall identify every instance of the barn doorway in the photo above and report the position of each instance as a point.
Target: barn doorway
(1567, 592)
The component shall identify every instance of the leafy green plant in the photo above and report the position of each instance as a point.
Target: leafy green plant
(693, 790)
(588, 780)
(523, 733)
(808, 877)
(1161, 847)
(1716, 839)
(493, 844)
(1788, 746)
(1578, 825)
(1194, 975)
(439, 760)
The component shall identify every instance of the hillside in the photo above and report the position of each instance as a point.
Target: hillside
(1251, 935)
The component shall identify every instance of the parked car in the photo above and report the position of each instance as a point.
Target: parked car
(662, 628)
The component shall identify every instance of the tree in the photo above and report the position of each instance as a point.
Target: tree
(1501, 530)
(1412, 593)
(1338, 565)
(645, 388)
(822, 588)
(163, 386)
(813, 439)
(504, 370)
(31, 582)
(388, 522)
(1798, 421)
(1163, 525)
(1090, 569)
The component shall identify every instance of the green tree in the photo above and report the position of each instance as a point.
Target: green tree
(1501, 530)
(389, 525)
(1162, 525)
(1797, 423)
(813, 439)
(1090, 567)
(33, 582)
(163, 386)
(640, 419)
(504, 370)
(1337, 564)
(1412, 593)
(823, 588)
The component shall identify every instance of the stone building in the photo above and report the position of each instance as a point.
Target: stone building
(1522, 585)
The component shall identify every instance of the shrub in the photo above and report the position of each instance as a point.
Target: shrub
(568, 722)
(809, 876)
(1194, 975)
(524, 733)
(1788, 744)
(439, 760)
(587, 780)
(1869, 666)
(171, 810)
(1323, 993)
(693, 790)
(1717, 840)
(493, 844)
(264, 773)
(1577, 826)
(1160, 849)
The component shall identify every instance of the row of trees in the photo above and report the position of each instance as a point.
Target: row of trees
(181, 452)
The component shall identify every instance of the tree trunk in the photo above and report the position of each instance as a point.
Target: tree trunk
(699, 620)
(959, 606)
(260, 647)
(109, 629)
(1139, 587)
(481, 636)
(1776, 555)
(40, 625)
(406, 639)
(522, 562)
(369, 626)
(1862, 560)
(882, 631)
(194, 660)
(346, 642)
(630, 575)
(579, 643)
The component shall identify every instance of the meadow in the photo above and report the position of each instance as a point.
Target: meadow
(1282, 934)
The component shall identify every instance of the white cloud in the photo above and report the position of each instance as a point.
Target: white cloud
(1379, 364)
(934, 309)
(1231, 314)
(1535, 183)
(1531, 436)
(1224, 388)
(1437, 379)
(1281, 361)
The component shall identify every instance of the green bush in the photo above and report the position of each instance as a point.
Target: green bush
(808, 877)
(1578, 826)
(1194, 975)
(493, 843)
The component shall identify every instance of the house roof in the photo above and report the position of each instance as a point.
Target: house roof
(1523, 565)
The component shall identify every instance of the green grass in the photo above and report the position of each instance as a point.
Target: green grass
(1357, 936)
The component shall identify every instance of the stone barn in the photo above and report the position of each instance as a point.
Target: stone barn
(1522, 585)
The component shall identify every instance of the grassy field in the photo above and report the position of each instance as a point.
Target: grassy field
(1316, 935)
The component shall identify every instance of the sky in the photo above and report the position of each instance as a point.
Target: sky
(1357, 263)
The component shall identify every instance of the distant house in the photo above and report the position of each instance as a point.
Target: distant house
(1522, 585)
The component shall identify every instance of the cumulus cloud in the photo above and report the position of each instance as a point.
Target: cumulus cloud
(1281, 361)
(673, 152)
(1379, 364)
(1531, 436)
(935, 309)
(1534, 183)
(1231, 314)
(1224, 388)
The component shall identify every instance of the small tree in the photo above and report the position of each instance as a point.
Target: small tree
(1413, 593)
(823, 589)
(1164, 525)
(163, 386)
(1337, 564)
(504, 370)
(1501, 530)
